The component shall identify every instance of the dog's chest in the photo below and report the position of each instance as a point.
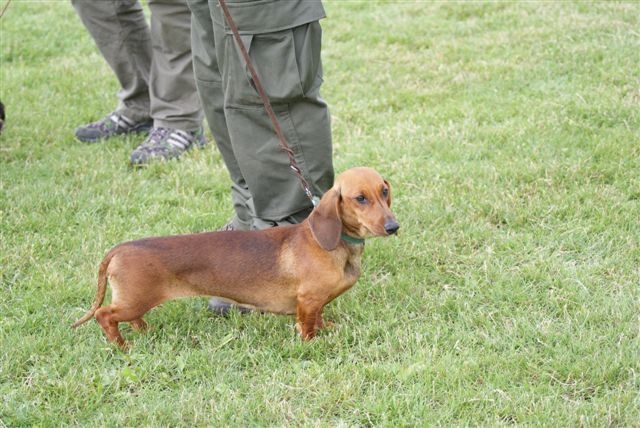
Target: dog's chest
(352, 265)
(352, 269)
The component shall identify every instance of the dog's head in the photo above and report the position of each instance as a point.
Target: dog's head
(358, 205)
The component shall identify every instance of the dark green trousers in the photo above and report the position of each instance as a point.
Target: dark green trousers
(152, 63)
(283, 39)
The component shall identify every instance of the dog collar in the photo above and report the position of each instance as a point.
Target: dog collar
(351, 240)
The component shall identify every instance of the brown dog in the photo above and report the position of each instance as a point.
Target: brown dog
(288, 269)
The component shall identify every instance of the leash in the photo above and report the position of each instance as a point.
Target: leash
(4, 9)
(284, 146)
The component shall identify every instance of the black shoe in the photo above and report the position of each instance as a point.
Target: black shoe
(112, 125)
(165, 144)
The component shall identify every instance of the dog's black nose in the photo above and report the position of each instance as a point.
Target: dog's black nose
(391, 227)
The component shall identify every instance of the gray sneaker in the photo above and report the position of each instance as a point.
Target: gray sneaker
(112, 125)
(165, 144)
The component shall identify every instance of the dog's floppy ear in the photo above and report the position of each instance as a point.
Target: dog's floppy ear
(388, 193)
(325, 222)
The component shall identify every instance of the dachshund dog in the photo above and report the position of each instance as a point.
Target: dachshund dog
(294, 269)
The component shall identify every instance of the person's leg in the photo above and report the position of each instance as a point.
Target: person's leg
(174, 99)
(292, 83)
(121, 33)
(209, 84)
(249, 145)
(175, 106)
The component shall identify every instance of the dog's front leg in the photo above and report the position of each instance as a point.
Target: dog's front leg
(309, 317)
(321, 322)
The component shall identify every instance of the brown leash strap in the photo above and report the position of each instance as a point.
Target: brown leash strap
(284, 146)
(4, 9)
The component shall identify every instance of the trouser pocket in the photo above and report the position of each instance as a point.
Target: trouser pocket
(287, 63)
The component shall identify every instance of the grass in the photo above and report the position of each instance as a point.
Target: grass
(510, 134)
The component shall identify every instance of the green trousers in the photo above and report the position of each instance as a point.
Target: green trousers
(283, 39)
(153, 65)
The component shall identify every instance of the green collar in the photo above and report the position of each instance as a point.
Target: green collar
(351, 240)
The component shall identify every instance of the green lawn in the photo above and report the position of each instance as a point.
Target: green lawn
(510, 132)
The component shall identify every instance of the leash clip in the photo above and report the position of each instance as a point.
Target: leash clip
(314, 199)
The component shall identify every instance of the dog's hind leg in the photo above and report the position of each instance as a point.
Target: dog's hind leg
(109, 323)
(109, 316)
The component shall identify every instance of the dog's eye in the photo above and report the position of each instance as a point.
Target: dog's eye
(385, 192)
(361, 199)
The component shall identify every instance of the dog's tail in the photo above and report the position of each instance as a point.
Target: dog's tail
(100, 293)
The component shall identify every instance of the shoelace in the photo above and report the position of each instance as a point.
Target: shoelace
(174, 137)
(156, 135)
(119, 121)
